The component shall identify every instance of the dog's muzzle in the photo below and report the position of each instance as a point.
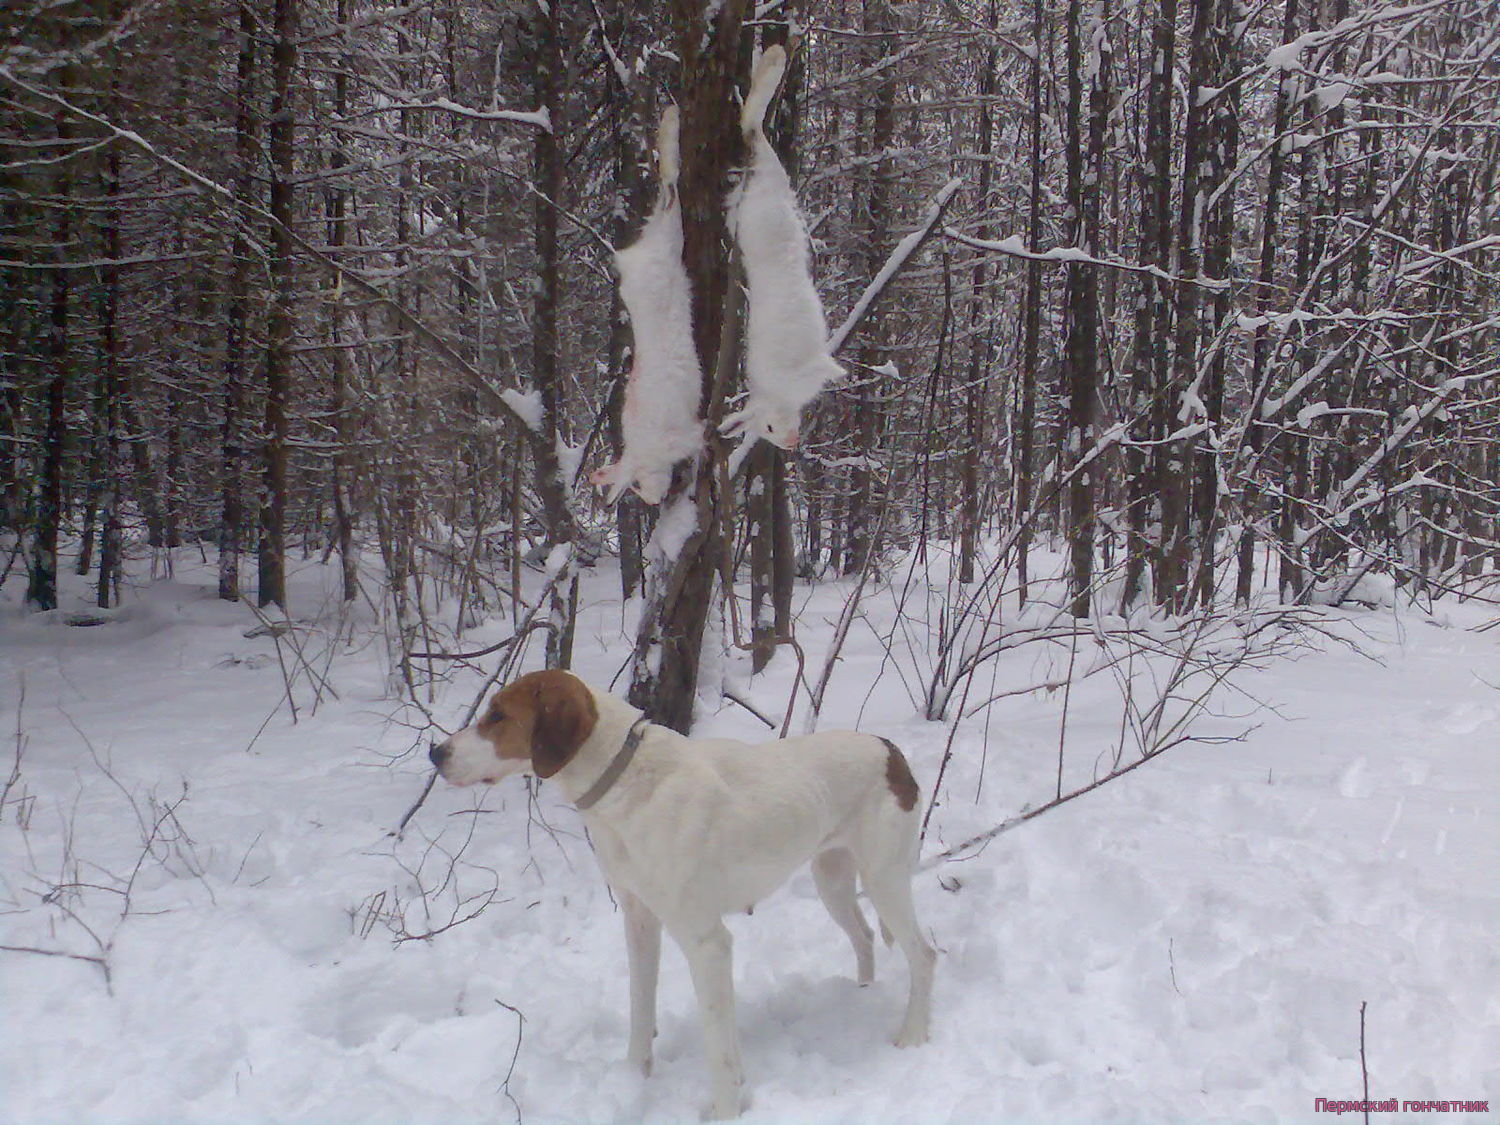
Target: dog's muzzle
(439, 753)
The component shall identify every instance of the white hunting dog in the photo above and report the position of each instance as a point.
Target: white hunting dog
(688, 830)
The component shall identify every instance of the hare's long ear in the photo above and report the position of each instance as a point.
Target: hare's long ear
(564, 718)
(668, 150)
(763, 86)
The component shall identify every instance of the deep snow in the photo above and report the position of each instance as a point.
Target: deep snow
(1190, 943)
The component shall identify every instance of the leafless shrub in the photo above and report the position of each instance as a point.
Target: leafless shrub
(84, 904)
(441, 888)
(1171, 673)
(15, 789)
(305, 652)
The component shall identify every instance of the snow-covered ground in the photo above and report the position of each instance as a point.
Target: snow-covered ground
(1190, 943)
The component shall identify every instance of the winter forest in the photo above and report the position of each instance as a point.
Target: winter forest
(1059, 386)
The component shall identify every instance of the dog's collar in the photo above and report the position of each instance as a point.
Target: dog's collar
(616, 767)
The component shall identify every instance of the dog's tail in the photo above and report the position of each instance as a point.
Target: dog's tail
(763, 86)
(905, 792)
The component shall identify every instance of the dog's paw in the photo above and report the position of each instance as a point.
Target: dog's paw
(912, 1037)
(640, 1059)
(727, 1107)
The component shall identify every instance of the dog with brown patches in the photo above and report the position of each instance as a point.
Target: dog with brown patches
(688, 830)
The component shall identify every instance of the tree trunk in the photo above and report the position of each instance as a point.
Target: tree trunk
(1221, 158)
(1185, 396)
(1257, 432)
(280, 319)
(880, 29)
(979, 335)
(1151, 495)
(547, 156)
(41, 584)
(1031, 320)
(237, 318)
(1081, 330)
(664, 671)
(341, 340)
(111, 392)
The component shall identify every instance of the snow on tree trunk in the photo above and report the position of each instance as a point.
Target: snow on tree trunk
(660, 420)
(786, 348)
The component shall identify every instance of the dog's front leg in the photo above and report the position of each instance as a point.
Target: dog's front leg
(711, 962)
(643, 947)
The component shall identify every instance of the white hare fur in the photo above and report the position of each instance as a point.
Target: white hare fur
(659, 419)
(787, 361)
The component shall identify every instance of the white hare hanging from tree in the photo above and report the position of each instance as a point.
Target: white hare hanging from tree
(660, 419)
(787, 360)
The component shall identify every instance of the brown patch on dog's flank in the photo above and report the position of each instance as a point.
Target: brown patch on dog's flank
(898, 778)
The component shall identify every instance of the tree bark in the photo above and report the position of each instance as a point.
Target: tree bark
(1031, 321)
(1152, 496)
(1221, 158)
(341, 339)
(873, 226)
(41, 584)
(1081, 331)
(979, 334)
(1257, 432)
(236, 375)
(280, 319)
(664, 671)
(111, 392)
(547, 158)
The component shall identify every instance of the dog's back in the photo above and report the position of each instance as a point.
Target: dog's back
(731, 821)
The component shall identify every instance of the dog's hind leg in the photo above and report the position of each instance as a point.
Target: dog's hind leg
(833, 874)
(889, 887)
(710, 959)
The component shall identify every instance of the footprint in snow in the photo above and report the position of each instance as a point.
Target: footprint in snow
(1466, 718)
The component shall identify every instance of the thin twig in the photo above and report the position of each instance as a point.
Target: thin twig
(956, 852)
(411, 812)
(729, 695)
(15, 769)
(1364, 1070)
(92, 960)
(514, 1055)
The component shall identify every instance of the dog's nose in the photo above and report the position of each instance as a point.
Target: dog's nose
(439, 753)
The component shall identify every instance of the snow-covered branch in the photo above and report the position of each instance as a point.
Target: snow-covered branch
(1015, 247)
(537, 117)
(893, 264)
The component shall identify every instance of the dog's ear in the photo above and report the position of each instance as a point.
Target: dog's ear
(564, 718)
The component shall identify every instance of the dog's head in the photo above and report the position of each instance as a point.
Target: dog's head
(534, 725)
